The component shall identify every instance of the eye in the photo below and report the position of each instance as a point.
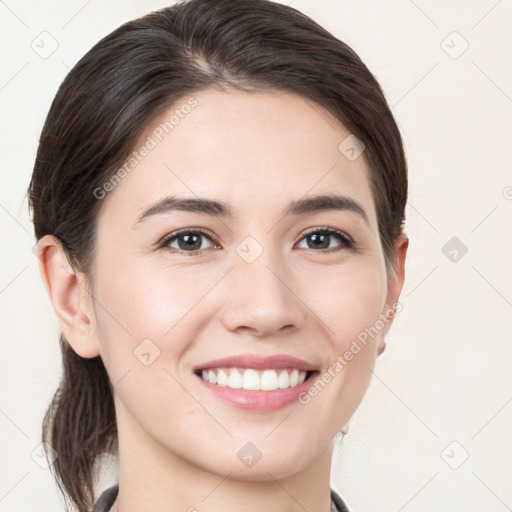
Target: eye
(321, 238)
(189, 240)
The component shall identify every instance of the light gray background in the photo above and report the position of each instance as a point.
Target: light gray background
(442, 389)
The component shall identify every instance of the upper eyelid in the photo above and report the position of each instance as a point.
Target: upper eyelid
(334, 231)
(174, 234)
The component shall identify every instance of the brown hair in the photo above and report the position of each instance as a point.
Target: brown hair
(110, 96)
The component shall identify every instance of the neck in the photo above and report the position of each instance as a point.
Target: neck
(152, 477)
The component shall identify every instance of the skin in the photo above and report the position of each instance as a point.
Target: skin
(178, 444)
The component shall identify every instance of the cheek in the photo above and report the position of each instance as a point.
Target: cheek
(348, 301)
(350, 310)
(147, 309)
(141, 327)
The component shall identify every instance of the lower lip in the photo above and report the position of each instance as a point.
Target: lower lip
(262, 401)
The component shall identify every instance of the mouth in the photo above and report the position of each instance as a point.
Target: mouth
(257, 383)
(252, 379)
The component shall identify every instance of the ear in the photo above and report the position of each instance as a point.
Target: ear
(395, 285)
(69, 295)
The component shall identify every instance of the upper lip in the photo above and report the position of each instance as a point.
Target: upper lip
(258, 362)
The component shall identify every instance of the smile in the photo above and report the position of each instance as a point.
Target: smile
(251, 379)
(257, 399)
(256, 382)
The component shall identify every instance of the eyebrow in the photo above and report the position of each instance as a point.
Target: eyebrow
(313, 204)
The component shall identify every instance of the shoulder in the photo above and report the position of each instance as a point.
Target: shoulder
(106, 500)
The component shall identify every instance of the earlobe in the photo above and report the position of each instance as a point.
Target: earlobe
(70, 300)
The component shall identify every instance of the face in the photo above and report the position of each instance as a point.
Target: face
(266, 272)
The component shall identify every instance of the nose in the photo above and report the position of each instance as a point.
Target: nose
(260, 299)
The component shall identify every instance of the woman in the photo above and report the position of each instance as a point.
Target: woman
(218, 198)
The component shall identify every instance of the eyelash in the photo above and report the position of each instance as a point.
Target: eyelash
(346, 241)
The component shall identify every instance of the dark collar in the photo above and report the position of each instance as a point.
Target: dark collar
(107, 498)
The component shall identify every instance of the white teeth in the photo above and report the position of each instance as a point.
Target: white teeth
(252, 380)
(222, 378)
(284, 380)
(235, 379)
(268, 380)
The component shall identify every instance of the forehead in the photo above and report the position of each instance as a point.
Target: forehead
(253, 150)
